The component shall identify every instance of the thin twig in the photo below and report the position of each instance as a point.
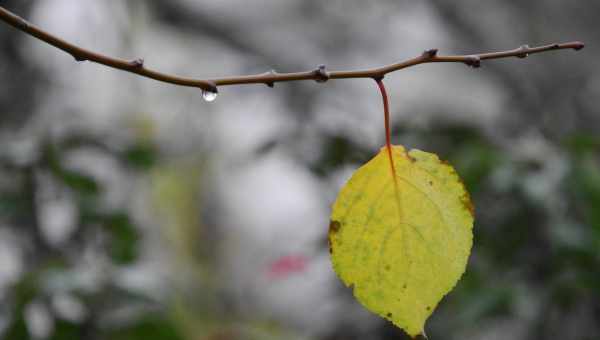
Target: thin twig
(320, 74)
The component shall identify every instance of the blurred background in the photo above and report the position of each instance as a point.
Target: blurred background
(132, 209)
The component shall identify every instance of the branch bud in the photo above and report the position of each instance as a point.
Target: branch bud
(473, 61)
(578, 46)
(523, 48)
(321, 74)
(78, 57)
(210, 86)
(270, 84)
(430, 53)
(137, 63)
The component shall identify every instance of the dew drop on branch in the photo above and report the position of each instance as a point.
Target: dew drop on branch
(209, 96)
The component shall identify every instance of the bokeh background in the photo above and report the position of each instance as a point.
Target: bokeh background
(132, 209)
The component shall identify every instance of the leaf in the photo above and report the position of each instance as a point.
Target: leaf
(79, 182)
(402, 242)
(150, 326)
(140, 156)
(124, 241)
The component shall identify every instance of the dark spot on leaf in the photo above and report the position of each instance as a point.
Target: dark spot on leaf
(404, 286)
(387, 267)
(389, 315)
(428, 308)
(431, 183)
(466, 199)
(409, 157)
(469, 206)
(445, 162)
(466, 202)
(334, 226)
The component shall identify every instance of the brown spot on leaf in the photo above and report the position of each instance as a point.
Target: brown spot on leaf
(428, 308)
(431, 183)
(466, 202)
(466, 199)
(334, 226)
(389, 315)
(409, 157)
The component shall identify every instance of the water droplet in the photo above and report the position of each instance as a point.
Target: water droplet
(209, 96)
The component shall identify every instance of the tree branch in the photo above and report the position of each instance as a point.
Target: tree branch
(269, 78)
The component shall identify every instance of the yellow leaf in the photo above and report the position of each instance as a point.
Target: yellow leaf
(402, 241)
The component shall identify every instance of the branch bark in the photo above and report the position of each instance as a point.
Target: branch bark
(320, 74)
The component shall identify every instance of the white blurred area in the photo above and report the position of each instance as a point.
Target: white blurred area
(264, 207)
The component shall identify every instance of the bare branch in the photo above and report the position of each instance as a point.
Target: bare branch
(320, 74)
